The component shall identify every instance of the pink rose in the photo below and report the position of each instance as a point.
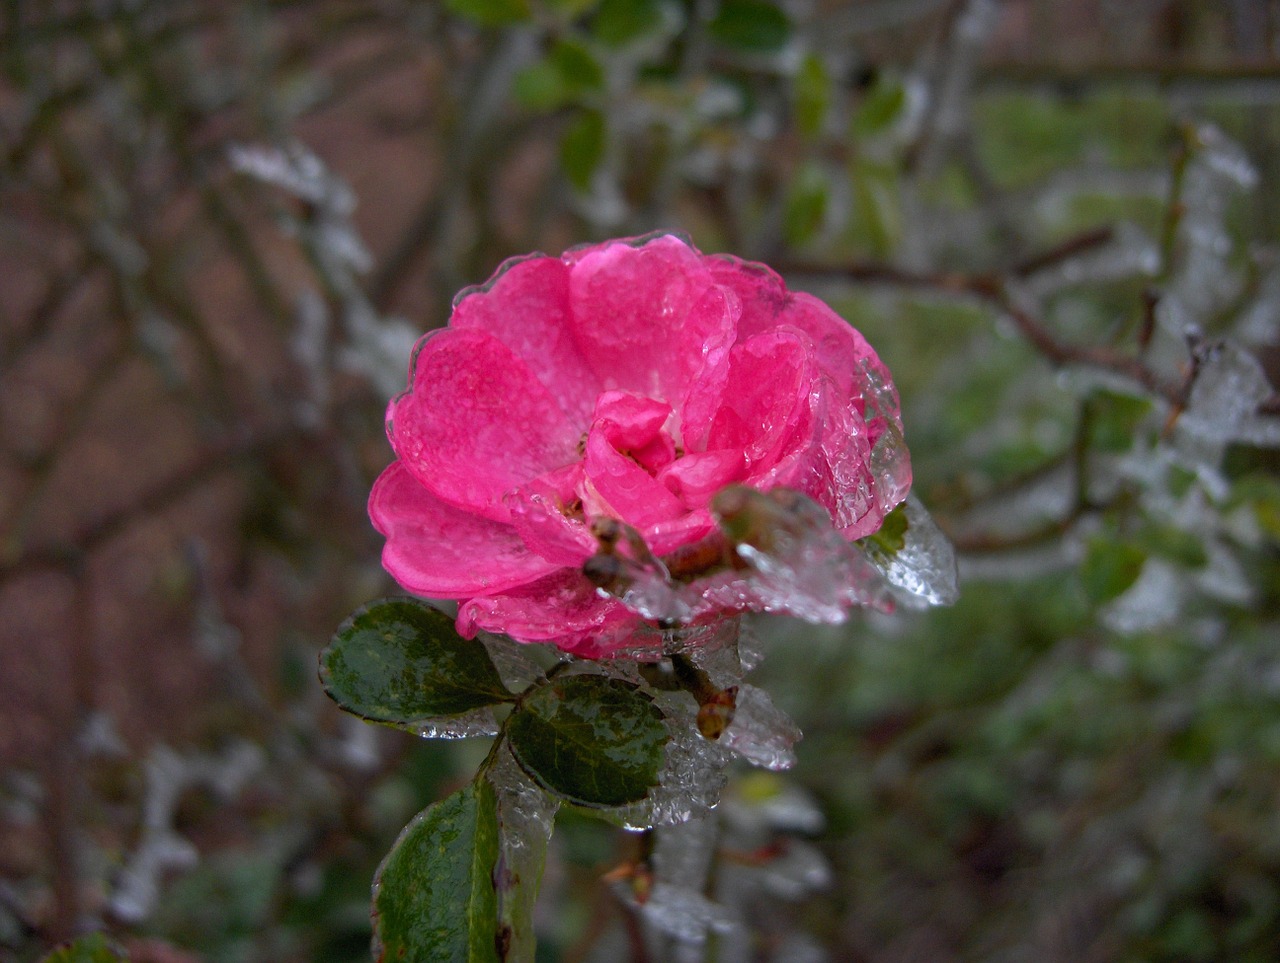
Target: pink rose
(629, 380)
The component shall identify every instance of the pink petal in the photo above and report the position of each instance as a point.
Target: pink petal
(665, 537)
(540, 512)
(476, 422)
(634, 426)
(765, 405)
(563, 608)
(696, 477)
(525, 305)
(766, 303)
(648, 318)
(438, 550)
(617, 486)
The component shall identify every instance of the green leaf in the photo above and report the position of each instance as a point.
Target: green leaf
(491, 13)
(806, 206)
(400, 661)
(569, 72)
(582, 148)
(618, 22)
(433, 895)
(94, 948)
(1110, 568)
(750, 25)
(891, 537)
(593, 740)
(879, 109)
(1114, 419)
(813, 95)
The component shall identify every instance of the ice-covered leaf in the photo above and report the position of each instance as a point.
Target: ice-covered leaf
(760, 732)
(891, 537)
(401, 662)
(433, 897)
(594, 740)
(526, 815)
(925, 567)
(94, 948)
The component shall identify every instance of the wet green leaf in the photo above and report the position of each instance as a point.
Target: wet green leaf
(1109, 569)
(433, 895)
(591, 739)
(94, 948)
(750, 25)
(582, 148)
(401, 661)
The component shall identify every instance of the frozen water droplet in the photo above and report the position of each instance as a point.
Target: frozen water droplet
(464, 725)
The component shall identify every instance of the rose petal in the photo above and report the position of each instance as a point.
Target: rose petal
(441, 551)
(634, 426)
(525, 305)
(477, 423)
(563, 608)
(665, 537)
(765, 406)
(696, 477)
(618, 486)
(648, 318)
(767, 304)
(540, 513)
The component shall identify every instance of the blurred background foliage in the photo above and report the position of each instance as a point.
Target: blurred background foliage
(223, 225)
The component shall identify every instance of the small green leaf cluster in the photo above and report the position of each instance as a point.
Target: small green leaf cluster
(590, 740)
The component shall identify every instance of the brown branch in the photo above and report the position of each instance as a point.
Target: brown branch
(67, 554)
(995, 290)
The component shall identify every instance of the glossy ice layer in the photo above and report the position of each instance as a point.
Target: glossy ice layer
(628, 381)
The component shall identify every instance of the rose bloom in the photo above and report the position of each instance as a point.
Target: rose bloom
(628, 380)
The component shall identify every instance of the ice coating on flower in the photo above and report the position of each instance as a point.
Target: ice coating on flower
(562, 442)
